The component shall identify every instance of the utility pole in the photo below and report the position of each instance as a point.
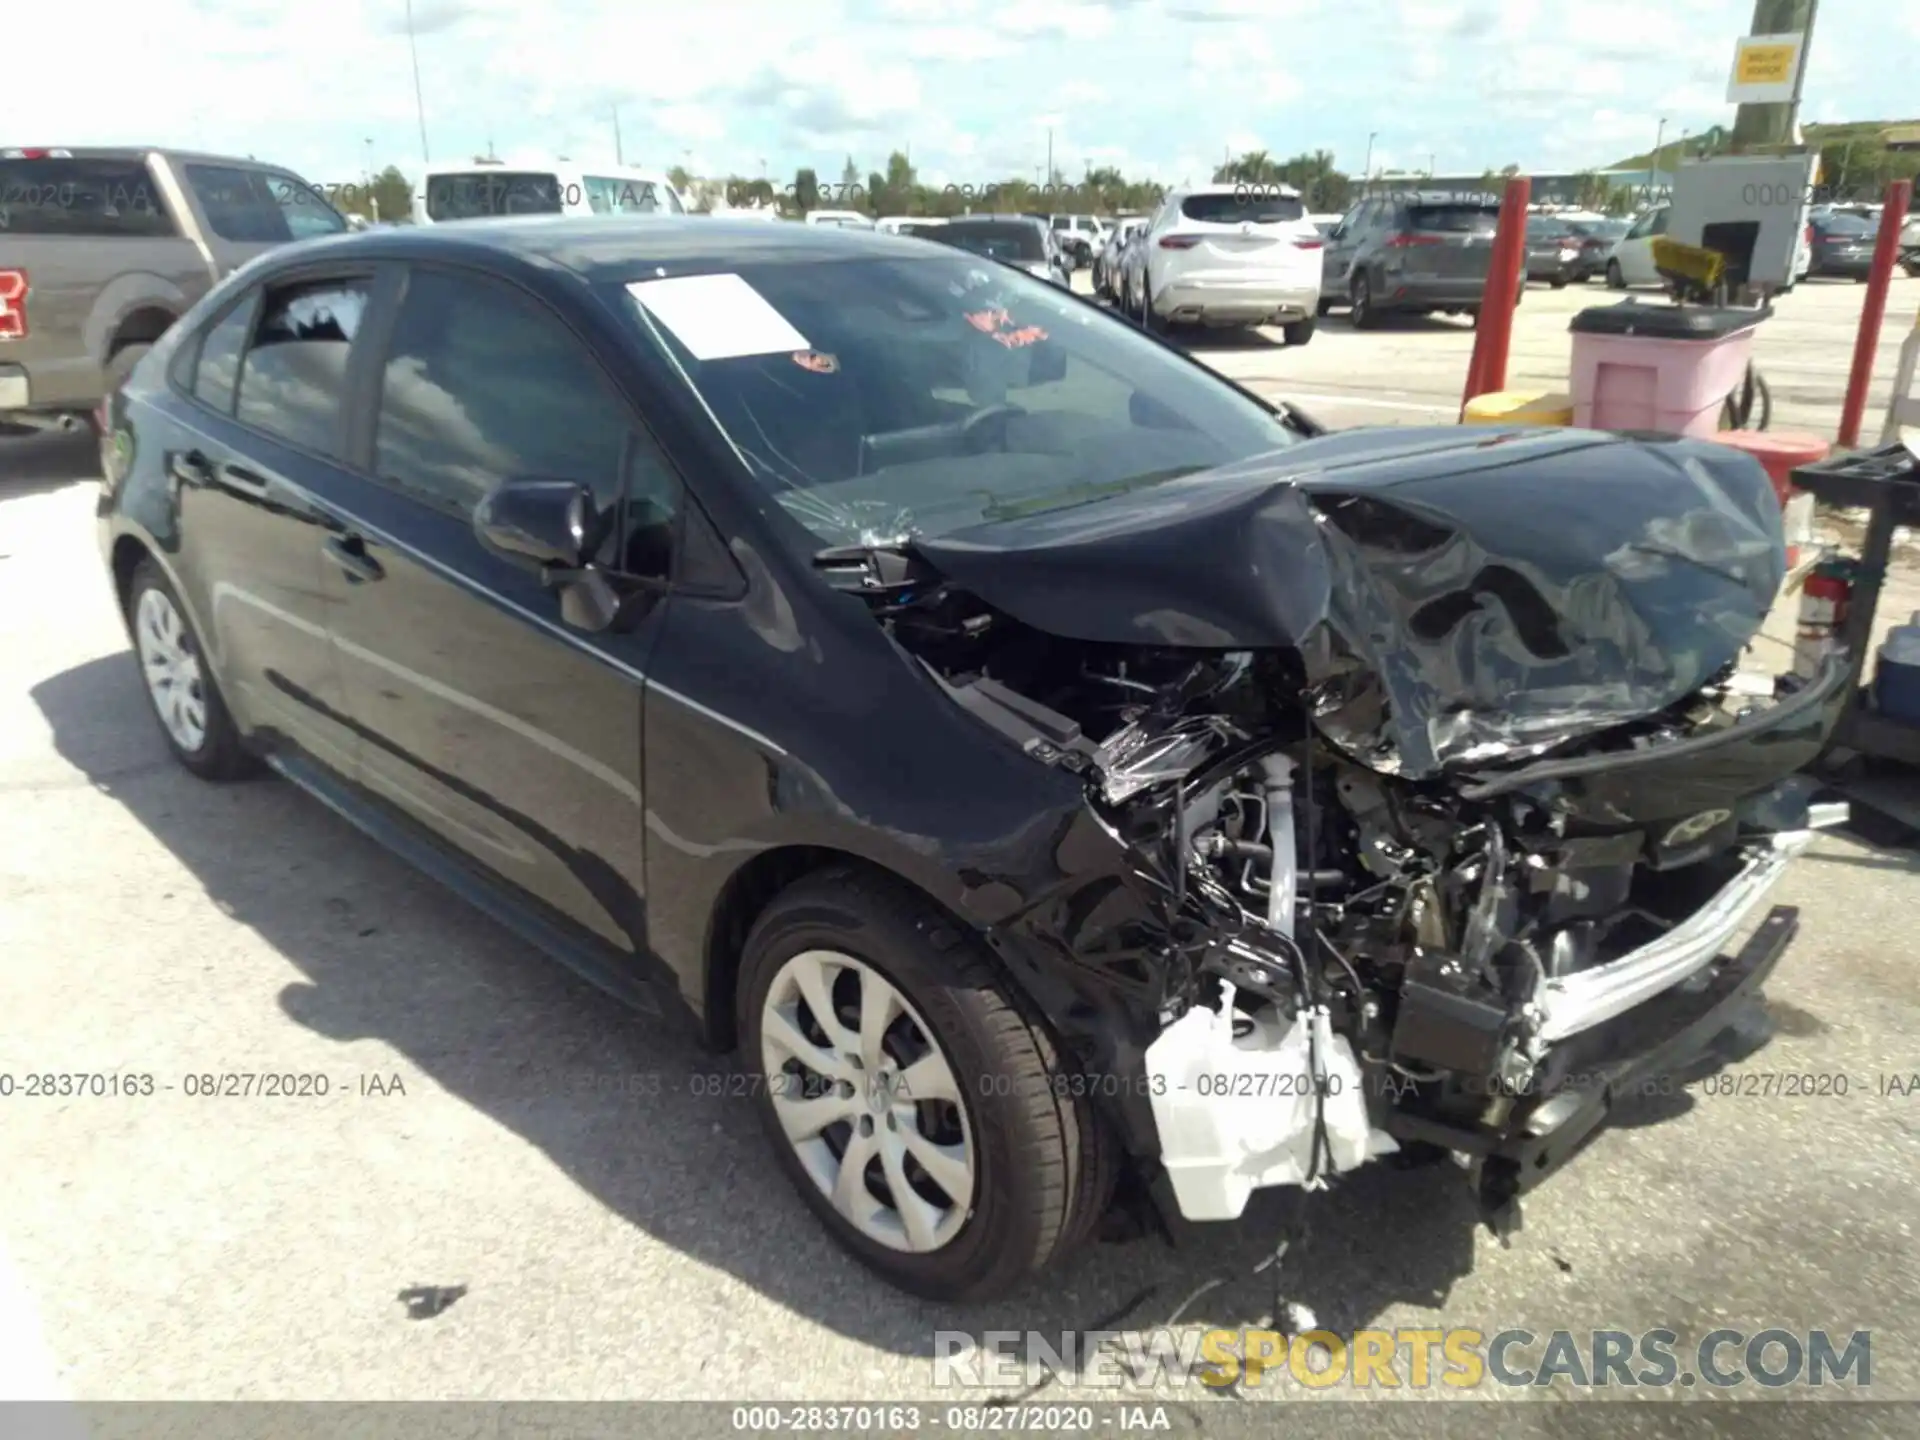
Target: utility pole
(1759, 127)
(1049, 155)
(419, 105)
(619, 154)
(1366, 169)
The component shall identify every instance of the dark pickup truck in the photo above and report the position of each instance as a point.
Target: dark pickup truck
(102, 249)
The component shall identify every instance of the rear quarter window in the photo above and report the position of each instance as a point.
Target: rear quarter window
(81, 198)
(1251, 208)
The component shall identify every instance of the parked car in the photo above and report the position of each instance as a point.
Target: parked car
(957, 702)
(1596, 239)
(840, 219)
(101, 249)
(1631, 260)
(925, 226)
(907, 224)
(1411, 254)
(1553, 250)
(1227, 255)
(1021, 241)
(1106, 260)
(1079, 236)
(484, 189)
(1843, 245)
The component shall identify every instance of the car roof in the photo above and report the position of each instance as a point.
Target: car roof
(141, 152)
(1258, 188)
(614, 248)
(998, 219)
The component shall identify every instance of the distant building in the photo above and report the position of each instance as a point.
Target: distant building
(1549, 188)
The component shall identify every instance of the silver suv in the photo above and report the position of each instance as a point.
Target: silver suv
(102, 249)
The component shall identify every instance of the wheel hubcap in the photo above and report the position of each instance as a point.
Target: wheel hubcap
(175, 683)
(868, 1101)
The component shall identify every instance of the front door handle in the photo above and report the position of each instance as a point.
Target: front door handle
(349, 552)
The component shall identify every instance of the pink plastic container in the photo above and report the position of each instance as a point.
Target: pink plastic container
(1665, 368)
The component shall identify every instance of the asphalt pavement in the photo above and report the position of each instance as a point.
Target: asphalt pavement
(513, 1190)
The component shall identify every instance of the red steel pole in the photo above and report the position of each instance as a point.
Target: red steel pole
(1487, 371)
(1867, 342)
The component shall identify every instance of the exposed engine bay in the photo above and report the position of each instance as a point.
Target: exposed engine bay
(1356, 952)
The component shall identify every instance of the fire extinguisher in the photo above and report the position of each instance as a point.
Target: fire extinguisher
(1823, 615)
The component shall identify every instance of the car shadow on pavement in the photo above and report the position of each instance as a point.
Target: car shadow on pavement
(36, 463)
(638, 1115)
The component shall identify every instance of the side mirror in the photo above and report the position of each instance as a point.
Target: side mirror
(552, 523)
(1338, 232)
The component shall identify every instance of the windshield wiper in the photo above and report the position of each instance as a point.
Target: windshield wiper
(1083, 494)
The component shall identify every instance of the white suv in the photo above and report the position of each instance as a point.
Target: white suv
(1230, 255)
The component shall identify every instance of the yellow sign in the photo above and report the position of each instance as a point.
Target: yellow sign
(1767, 64)
(1766, 68)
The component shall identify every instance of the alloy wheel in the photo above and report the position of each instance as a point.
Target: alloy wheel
(174, 679)
(868, 1101)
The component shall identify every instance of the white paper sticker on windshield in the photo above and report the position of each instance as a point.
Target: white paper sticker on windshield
(718, 317)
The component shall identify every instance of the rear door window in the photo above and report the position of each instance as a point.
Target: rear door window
(261, 207)
(1252, 207)
(81, 197)
(1454, 219)
(295, 373)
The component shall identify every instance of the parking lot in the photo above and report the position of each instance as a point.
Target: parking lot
(512, 1189)
(1410, 372)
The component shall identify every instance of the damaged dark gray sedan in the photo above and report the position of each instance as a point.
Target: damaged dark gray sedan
(1070, 782)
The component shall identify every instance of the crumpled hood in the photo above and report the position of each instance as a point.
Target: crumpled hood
(1458, 595)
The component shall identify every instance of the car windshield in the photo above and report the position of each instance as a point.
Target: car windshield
(895, 396)
(1249, 206)
(1603, 229)
(475, 194)
(1001, 239)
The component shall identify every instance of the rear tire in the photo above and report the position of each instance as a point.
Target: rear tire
(180, 688)
(1558, 283)
(1299, 332)
(1037, 1158)
(1362, 314)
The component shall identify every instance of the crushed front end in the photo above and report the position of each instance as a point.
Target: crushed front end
(1435, 762)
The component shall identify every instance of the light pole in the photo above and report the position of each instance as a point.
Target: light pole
(1659, 137)
(419, 105)
(1366, 169)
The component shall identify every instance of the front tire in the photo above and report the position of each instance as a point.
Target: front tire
(181, 690)
(880, 1030)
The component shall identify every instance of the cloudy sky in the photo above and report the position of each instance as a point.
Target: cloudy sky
(1159, 88)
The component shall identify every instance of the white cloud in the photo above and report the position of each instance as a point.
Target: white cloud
(1071, 19)
(958, 80)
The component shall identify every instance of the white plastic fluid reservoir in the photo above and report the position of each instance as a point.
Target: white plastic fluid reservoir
(1896, 682)
(1236, 1114)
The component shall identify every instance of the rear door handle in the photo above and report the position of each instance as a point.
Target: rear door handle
(190, 469)
(349, 552)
